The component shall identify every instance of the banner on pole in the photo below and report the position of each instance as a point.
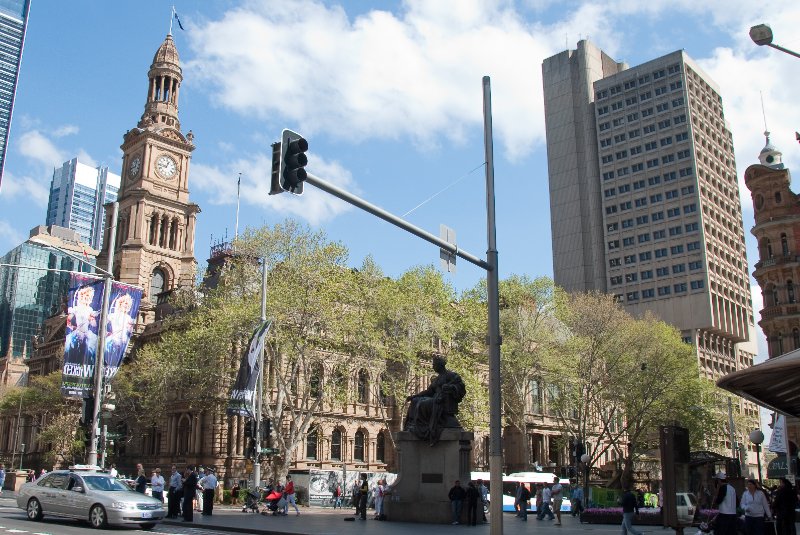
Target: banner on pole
(777, 443)
(85, 298)
(122, 312)
(243, 393)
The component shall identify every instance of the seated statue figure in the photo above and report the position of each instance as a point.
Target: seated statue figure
(436, 407)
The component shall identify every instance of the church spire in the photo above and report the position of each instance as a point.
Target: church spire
(164, 81)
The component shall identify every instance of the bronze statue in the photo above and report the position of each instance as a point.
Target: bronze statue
(436, 407)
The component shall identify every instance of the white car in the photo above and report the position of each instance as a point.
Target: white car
(687, 505)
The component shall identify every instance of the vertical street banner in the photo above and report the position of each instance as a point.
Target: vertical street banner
(777, 443)
(84, 301)
(122, 311)
(243, 393)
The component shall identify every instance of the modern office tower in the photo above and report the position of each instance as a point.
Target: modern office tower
(30, 293)
(77, 195)
(642, 170)
(13, 23)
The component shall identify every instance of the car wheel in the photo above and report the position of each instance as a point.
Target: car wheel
(34, 509)
(97, 517)
(486, 508)
(148, 526)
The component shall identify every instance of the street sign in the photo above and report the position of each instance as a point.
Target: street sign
(448, 260)
(269, 451)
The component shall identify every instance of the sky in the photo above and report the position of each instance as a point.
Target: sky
(389, 96)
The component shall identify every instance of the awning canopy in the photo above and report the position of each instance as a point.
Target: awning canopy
(774, 384)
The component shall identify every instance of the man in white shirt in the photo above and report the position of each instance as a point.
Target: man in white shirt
(557, 497)
(113, 471)
(546, 496)
(175, 494)
(209, 485)
(157, 485)
(725, 502)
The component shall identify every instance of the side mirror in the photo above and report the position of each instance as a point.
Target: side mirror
(77, 489)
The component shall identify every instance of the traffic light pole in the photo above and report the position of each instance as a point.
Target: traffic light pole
(260, 380)
(491, 267)
(100, 357)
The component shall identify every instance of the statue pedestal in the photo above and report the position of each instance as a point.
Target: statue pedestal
(426, 474)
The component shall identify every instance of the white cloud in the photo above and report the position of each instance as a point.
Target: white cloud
(219, 186)
(24, 187)
(85, 157)
(35, 146)
(9, 234)
(66, 130)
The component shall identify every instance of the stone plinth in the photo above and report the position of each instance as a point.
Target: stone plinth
(425, 475)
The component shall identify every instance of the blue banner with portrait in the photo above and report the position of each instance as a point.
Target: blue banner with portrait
(84, 301)
(122, 311)
(243, 393)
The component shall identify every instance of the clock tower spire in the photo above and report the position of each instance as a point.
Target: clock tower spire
(155, 231)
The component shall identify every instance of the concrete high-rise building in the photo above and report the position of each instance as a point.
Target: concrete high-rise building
(645, 198)
(13, 24)
(35, 291)
(77, 195)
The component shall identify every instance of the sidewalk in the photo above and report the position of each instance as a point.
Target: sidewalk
(326, 521)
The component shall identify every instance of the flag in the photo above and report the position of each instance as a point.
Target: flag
(123, 310)
(85, 299)
(777, 443)
(243, 394)
(178, 20)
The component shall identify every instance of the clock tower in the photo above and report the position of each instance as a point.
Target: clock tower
(155, 231)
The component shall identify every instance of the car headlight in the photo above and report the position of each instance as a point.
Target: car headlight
(121, 505)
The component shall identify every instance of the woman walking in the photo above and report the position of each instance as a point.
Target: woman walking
(784, 506)
(756, 509)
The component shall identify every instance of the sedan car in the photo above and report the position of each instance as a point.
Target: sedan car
(93, 496)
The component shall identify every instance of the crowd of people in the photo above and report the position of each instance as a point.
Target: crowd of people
(756, 505)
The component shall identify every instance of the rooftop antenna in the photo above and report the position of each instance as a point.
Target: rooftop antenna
(763, 112)
(171, 18)
(238, 192)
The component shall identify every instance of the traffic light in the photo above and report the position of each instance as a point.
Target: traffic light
(249, 442)
(275, 182)
(266, 430)
(292, 162)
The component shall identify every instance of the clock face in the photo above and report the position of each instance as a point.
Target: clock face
(135, 167)
(166, 166)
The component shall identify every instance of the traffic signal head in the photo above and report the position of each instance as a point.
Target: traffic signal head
(293, 160)
(87, 412)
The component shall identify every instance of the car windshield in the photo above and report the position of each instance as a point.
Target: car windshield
(105, 484)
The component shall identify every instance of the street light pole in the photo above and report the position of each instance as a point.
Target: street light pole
(761, 34)
(260, 379)
(757, 438)
(101, 339)
(585, 458)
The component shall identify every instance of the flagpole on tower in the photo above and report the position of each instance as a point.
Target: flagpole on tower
(171, 18)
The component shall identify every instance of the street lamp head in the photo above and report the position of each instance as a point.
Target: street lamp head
(761, 34)
(585, 458)
(756, 436)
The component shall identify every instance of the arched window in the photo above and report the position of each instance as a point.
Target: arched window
(769, 248)
(784, 245)
(157, 284)
(363, 389)
(383, 397)
(311, 443)
(315, 384)
(336, 445)
(778, 197)
(184, 429)
(790, 291)
(780, 343)
(358, 446)
(775, 300)
(380, 446)
(796, 338)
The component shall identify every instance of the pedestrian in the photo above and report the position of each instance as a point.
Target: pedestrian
(337, 496)
(518, 499)
(2, 477)
(725, 503)
(157, 484)
(756, 509)
(456, 495)
(198, 496)
(380, 491)
(290, 496)
(235, 493)
(524, 501)
(31, 477)
(576, 500)
(141, 479)
(363, 492)
(546, 500)
(472, 495)
(209, 484)
(539, 487)
(189, 492)
(784, 506)
(113, 470)
(174, 494)
(629, 508)
(557, 496)
(355, 495)
(484, 492)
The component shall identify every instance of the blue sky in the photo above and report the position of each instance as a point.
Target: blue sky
(387, 93)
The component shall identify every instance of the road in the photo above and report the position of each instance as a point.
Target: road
(13, 520)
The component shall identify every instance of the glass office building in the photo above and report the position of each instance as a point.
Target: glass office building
(28, 296)
(77, 195)
(13, 23)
